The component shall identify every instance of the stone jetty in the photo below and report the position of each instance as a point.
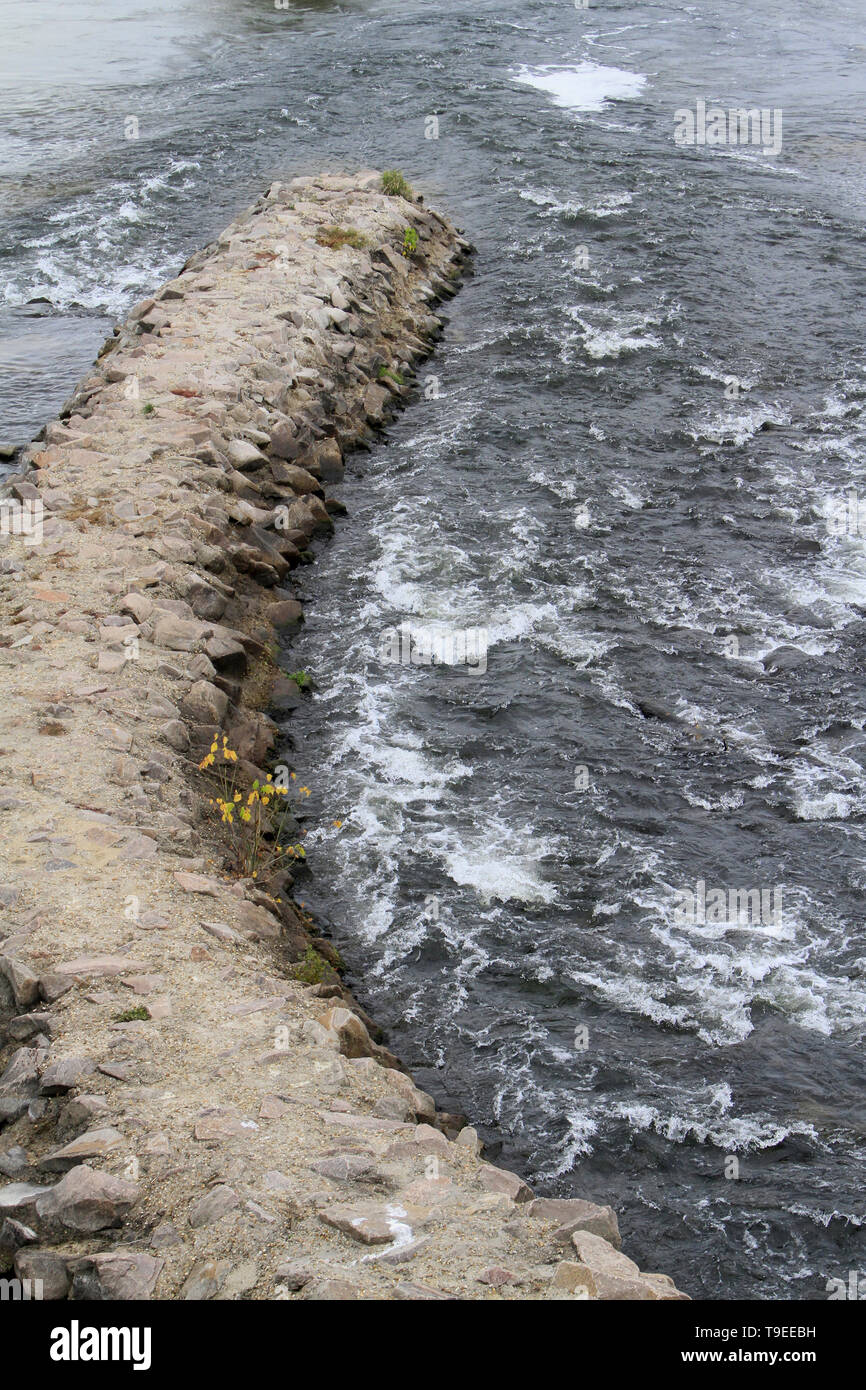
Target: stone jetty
(192, 1104)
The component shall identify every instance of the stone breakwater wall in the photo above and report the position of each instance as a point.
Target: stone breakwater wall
(184, 1114)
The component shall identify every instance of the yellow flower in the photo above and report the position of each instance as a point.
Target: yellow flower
(245, 813)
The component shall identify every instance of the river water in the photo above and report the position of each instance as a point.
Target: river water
(636, 466)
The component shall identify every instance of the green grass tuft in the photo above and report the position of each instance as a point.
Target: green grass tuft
(301, 679)
(394, 184)
(313, 969)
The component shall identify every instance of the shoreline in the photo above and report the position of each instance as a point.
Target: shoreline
(239, 1131)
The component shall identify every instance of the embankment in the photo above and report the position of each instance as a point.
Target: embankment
(193, 1105)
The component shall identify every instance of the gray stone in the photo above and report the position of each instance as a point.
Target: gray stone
(285, 443)
(205, 1279)
(100, 965)
(602, 1259)
(14, 1161)
(416, 1293)
(60, 1076)
(175, 735)
(23, 983)
(205, 600)
(50, 1269)
(213, 1206)
(24, 1026)
(346, 1167)
(82, 1110)
(19, 1083)
(287, 613)
(294, 1274)
(13, 1235)
(165, 1236)
(394, 1108)
(18, 1200)
(244, 455)
(468, 1139)
(239, 1280)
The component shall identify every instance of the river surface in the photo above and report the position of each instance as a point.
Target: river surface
(626, 467)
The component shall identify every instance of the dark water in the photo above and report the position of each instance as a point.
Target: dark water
(514, 844)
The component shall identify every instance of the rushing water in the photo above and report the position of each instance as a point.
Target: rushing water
(637, 534)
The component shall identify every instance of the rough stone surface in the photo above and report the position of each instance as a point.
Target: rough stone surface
(86, 1200)
(114, 1277)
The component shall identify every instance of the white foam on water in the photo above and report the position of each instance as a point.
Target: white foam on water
(711, 1123)
(613, 342)
(608, 205)
(737, 426)
(495, 873)
(608, 332)
(583, 86)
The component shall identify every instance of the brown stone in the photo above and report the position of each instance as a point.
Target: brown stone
(95, 1143)
(86, 1200)
(371, 1224)
(113, 1277)
(574, 1278)
(285, 614)
(178, 634)
(205, 703)
(196, 883)
(99, 965)
(573, 1214)
(333, 1290)
(218, 1126)
(501, 1180)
